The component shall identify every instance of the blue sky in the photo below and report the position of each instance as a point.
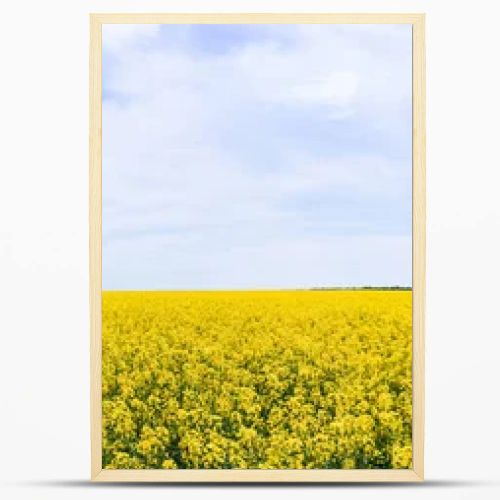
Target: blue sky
(256, 156)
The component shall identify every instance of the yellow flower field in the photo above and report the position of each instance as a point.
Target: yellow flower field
(266, 380)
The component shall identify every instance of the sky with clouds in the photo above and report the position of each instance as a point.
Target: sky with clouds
(256, 156)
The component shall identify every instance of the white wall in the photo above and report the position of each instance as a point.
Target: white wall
(44, 448)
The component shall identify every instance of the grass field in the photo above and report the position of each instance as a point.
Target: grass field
(273, 380)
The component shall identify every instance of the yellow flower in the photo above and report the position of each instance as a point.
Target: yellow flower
(257, 380)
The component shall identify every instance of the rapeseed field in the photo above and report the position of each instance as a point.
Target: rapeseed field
(264, 380)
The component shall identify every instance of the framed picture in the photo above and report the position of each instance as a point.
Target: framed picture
(257, 247)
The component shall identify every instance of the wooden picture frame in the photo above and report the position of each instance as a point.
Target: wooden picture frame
(252, 475)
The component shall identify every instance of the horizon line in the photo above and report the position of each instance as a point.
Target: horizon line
(298, 289)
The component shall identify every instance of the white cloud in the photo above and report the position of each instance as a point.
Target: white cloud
(325, 67)
(190, 169)
(120, 37)
(337, 89)
(174, 263)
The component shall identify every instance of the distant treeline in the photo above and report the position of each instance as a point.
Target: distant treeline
(384, 288)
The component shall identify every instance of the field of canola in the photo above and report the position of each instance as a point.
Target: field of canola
(267, 380)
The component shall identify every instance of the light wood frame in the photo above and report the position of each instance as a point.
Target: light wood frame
(251, 475)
